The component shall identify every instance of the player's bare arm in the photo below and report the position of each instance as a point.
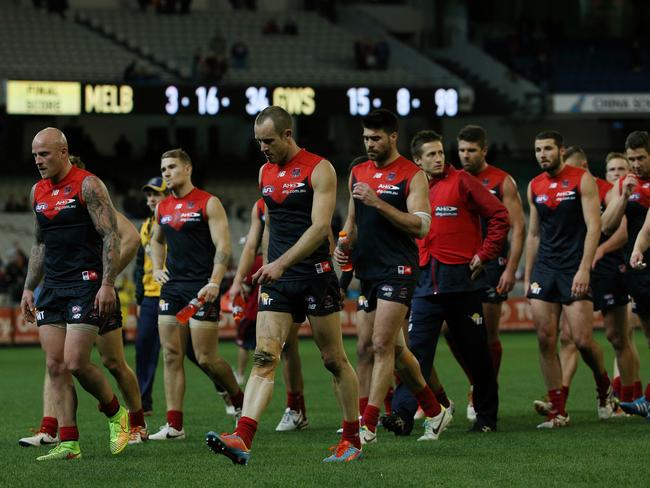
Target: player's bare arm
(247, 257)
(158, 251)
(220, 234)
(350, 227)
(591, 214)
(415, 220)
(101, 211)
(616, 241)
(324, 185)
(34, 270)
(129, 241)
(641, 245)
(616, 201)
(532, 239)
(512, 202)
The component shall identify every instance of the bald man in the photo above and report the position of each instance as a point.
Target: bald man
(77, 250)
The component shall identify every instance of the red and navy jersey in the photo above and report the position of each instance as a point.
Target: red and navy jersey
(458, 201)
(635, 211)
(288, 195)
(382, 250)
(73, 247)
(190, 250)
(492, 178)
(561, 221)
(614, 261)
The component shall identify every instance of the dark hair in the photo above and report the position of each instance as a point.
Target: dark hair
(279, 116)
(76, 161)
(473, 133)
(421, 138)
(551, 134)
(381, 119)
(639, 139)
(179, 154)
(573, 150)
(356, 161)
(616, 155)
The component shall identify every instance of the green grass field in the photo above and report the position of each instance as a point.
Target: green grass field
(588, 453)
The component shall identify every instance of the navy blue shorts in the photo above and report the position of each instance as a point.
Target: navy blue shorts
(391, 289)
(493, 270)
(174, 296)
(638, 287)
(553, 286)
(609, 290)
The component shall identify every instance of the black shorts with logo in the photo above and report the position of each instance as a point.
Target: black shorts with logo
(174, 296)
(317, 296)
(493, 270)
(75, 305)
(638, 286)
(553, 286)
(609, 290)
(398, 290)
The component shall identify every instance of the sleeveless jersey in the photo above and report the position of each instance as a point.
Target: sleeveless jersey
(635, 211)
(288, 195)
(190, 250)
(383, 250)
(612, 262)
(73, 248)
(492, 178)
(561, 222)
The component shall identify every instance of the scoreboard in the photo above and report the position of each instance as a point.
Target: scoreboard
(76, 98)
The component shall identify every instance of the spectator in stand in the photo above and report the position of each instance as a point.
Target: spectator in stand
(290, 28)
(271, 27)
(239, 55)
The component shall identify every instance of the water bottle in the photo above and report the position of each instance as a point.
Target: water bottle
(190, 309)
(344, 246)
(238, 305)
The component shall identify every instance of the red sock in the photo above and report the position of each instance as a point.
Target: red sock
(616, 386)
(638, 389)
(371, 417)
(557, 400)
(387, 400)
(454, 350)
(602, 384)
(69, 433)
(428, 402)
(496, 351)
(627, 393)
(136, 419)
(565, 394)
(441, 396)
(49, 425)
(110, 408)
(293, 401)
(351, 433)
(246, 428)
(237, 399)
(301, 404)
(363, 403)
(175, 419)
(647, 392)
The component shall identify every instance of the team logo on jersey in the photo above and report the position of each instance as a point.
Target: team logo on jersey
(446, 211)
(65, 203)
(324, 267)
(387, 291)
(55, 192)
(268, 189)
(535, 289)
(282, 173)
(391, 176)
(378, 175)
(404, 270)
(67, 190)
(387, 189)
(166, 219)
(565, 195)
(486, 181)
(178, 205)
(565, 183)
(89, 275)
(295, 172)
(265, 299)
(190, 204)
(553, 185)
(189, 215)
(163, 306)
(541, 199)
(477, 318)
(289, 188)
(41, 207)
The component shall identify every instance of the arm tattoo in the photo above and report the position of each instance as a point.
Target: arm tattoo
(35, 265)
(102, 213)
(221, 257)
